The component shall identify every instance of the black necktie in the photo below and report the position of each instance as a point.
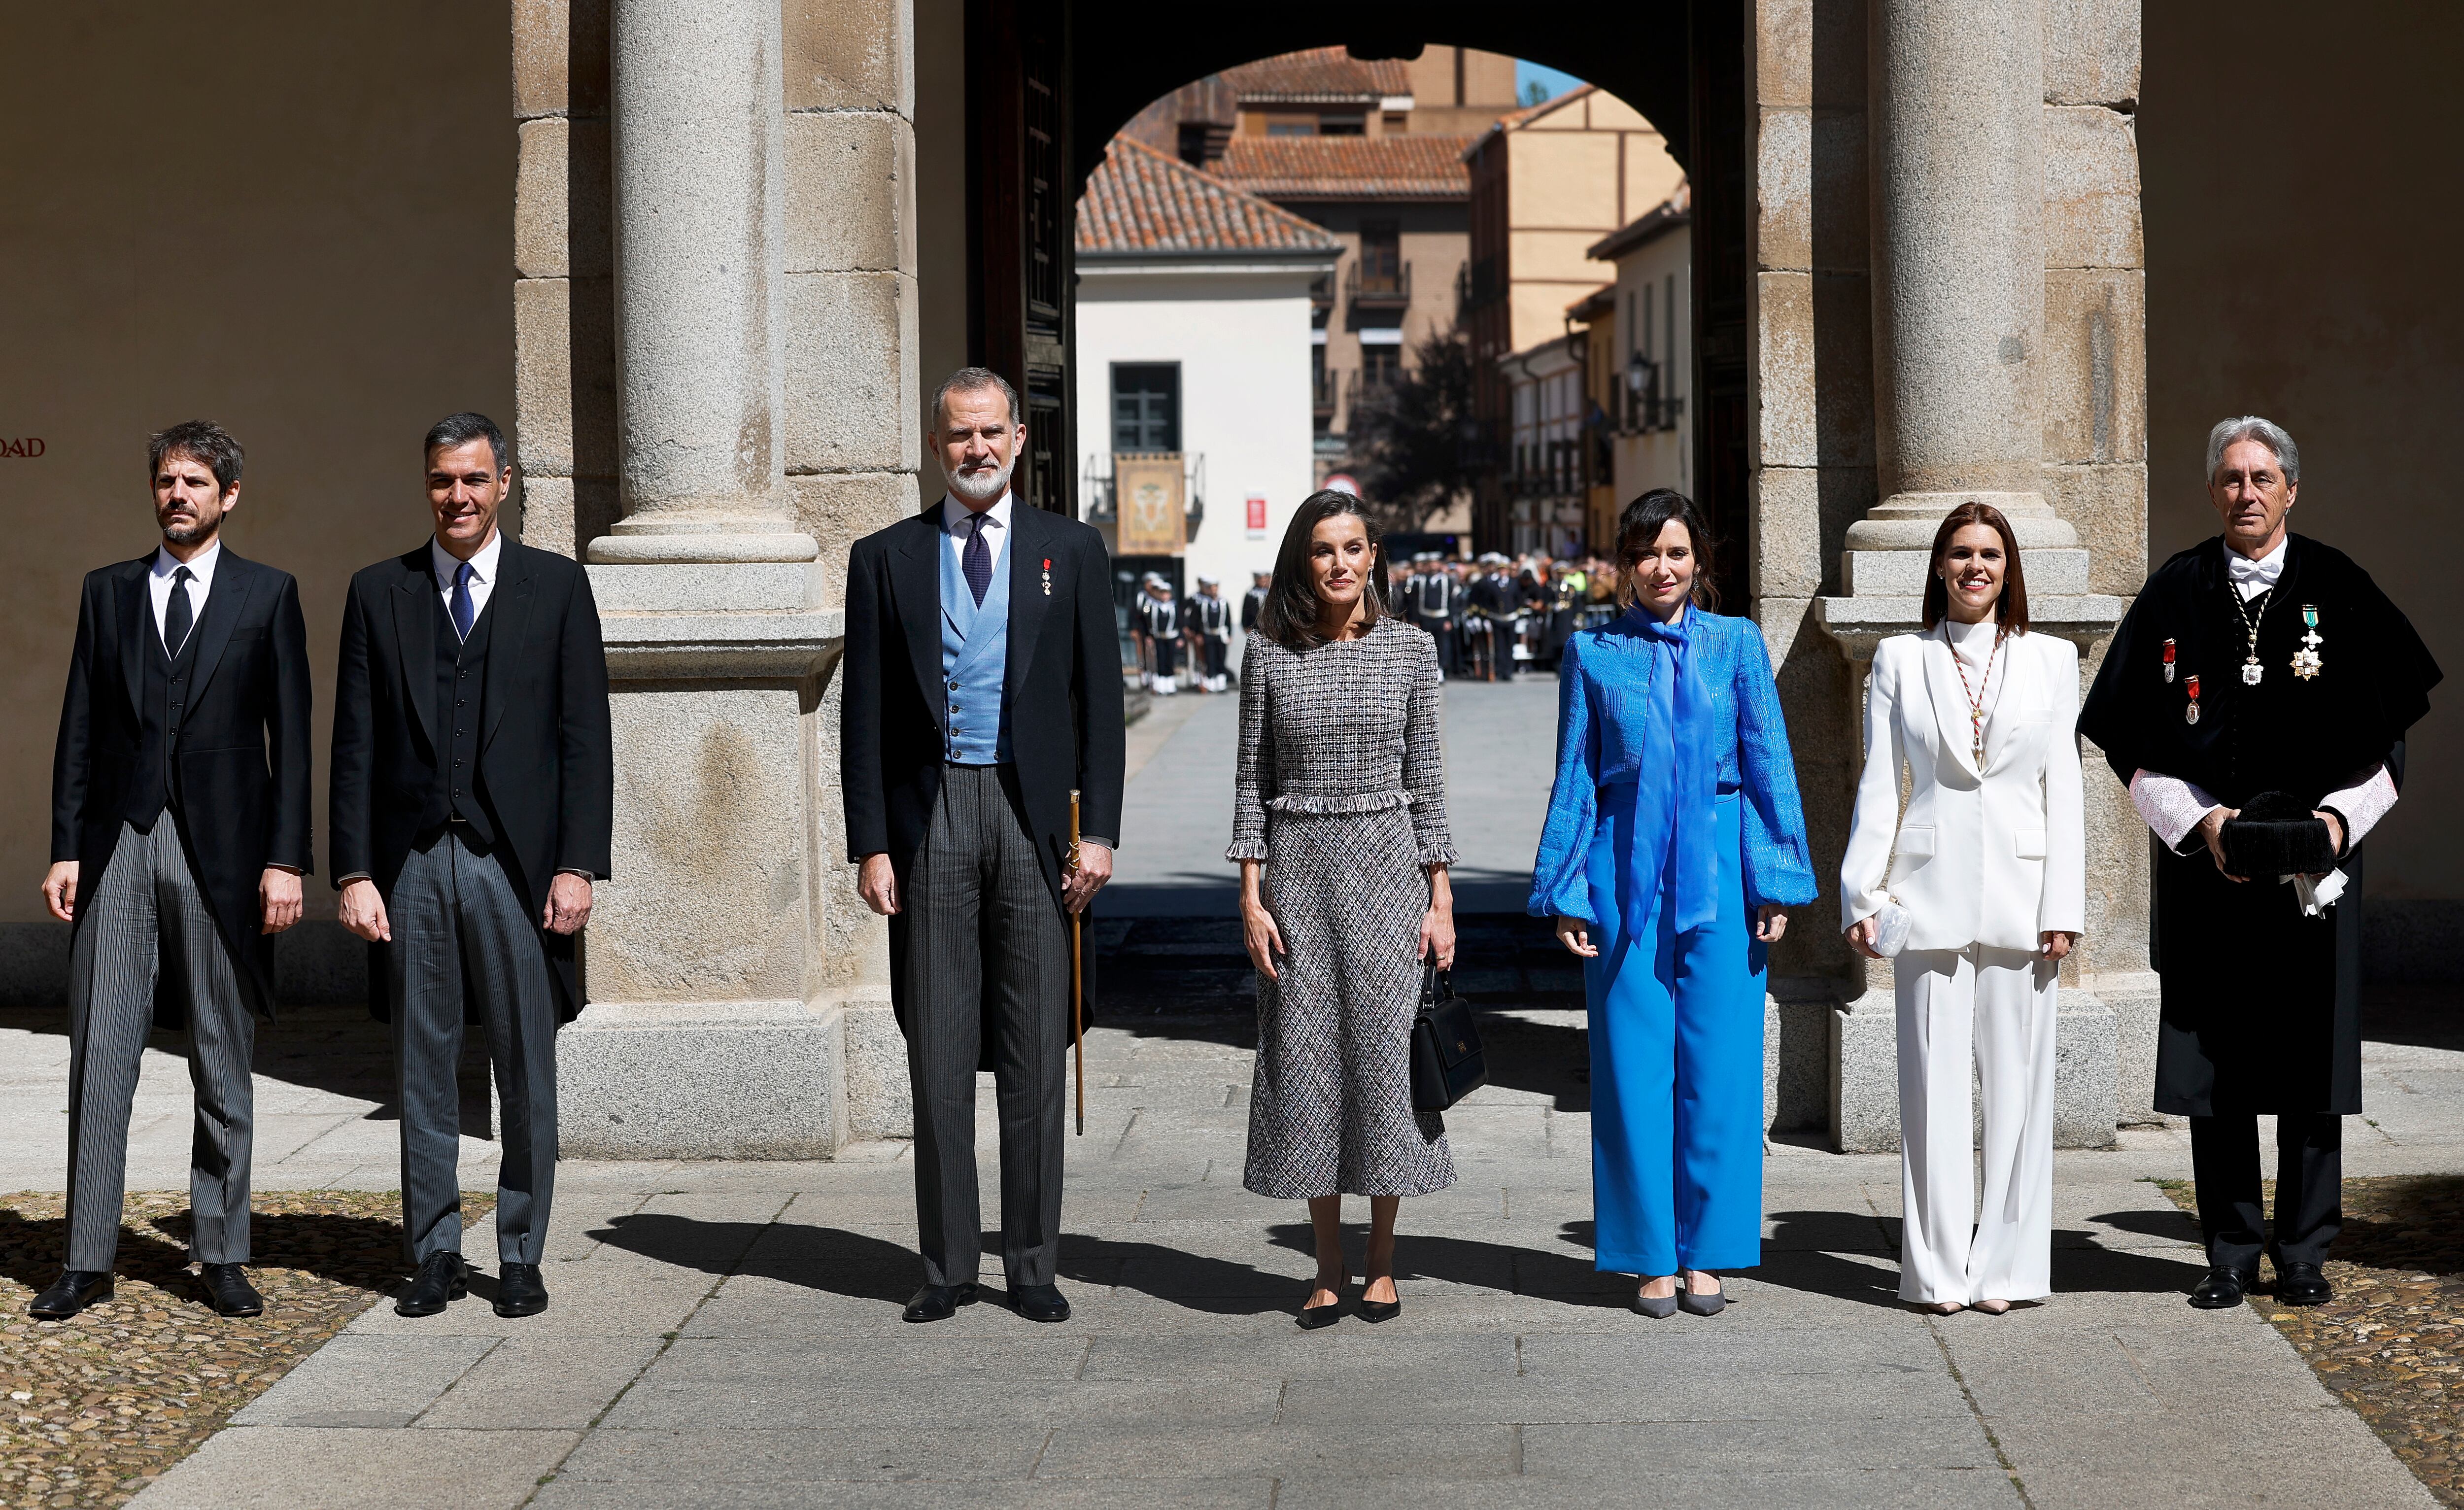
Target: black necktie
(179, 614)
(977, 560)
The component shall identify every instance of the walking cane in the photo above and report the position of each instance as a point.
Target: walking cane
(1077, 978)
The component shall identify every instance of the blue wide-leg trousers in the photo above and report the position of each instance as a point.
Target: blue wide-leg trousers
(1677, 1067)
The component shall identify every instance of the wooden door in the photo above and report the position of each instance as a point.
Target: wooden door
(1020, 223)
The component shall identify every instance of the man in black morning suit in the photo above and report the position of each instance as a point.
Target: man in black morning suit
(472, 806)
(982, 684)
(179, 834)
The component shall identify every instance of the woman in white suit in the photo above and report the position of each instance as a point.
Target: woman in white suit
(1977, 893)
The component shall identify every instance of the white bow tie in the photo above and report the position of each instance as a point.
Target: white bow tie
(2240, 568)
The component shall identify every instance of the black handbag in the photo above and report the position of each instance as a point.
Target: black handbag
(1447, 1061)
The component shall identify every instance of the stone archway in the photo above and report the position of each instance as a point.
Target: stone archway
(1921, 279)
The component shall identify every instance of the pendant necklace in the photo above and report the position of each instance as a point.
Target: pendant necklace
(2250, 669)
(1976, 697)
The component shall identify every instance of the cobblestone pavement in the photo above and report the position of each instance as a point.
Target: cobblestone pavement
(728, 1334)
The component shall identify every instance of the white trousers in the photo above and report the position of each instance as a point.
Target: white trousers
(1992, 1007)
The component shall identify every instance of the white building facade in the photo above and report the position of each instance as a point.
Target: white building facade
(1652, 363)
(1195, 328)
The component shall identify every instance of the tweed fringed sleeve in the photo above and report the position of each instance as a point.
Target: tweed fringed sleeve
(1424, 759)
(1253, 780)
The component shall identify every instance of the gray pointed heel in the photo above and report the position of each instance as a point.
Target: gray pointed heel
(1712, 1305)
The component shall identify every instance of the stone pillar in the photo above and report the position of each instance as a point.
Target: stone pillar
(1956, 127)
(703, 1037)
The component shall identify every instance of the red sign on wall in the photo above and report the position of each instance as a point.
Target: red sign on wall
(1257, 514)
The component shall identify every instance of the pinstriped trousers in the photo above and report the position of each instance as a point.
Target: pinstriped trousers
(458, 926)
(145, 918)
(976, 900)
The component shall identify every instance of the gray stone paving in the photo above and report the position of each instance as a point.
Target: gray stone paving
(728, 1335)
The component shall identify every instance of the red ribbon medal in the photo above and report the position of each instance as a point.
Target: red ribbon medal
(2168, 660)
(2190, 714)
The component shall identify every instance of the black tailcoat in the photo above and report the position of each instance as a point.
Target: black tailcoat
(239, 765)
(547, 763)
(1063, 687)
(2261, 1006)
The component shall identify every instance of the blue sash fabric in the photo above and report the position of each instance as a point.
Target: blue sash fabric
(1676, 826)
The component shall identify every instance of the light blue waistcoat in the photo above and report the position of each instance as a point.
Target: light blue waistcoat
(974, 660)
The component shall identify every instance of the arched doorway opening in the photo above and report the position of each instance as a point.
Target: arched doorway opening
(1048, 83)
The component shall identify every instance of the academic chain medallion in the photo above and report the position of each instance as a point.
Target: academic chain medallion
(1976, 697)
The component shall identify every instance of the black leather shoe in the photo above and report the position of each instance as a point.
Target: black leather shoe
(443, 1277)
(1313, 1316)
(938, 1302)
(2223, 1289)
(72, 1292)
(228, 1290)
(2302, 1284)
(519, 1290)
(1039, 1303)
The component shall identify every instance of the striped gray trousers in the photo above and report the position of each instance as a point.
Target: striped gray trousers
(975, 900)
(145, 918)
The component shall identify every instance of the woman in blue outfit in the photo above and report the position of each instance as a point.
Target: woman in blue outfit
(1673, 840)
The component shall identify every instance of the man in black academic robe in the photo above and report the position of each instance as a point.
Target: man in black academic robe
(2260, 667)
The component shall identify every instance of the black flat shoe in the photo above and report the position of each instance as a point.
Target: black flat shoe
(2302, 1284)
(443, 1277)
(228, 1290)
(938, 1302)
(2223, 1289)
(519, 1290)
(72, 1292)
(1039, 1303)
(1313, 1316)
(1378, 1311)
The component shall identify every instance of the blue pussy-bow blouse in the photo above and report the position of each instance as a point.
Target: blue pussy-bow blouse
(1611, 725)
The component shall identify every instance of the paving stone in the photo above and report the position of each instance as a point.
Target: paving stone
(1338, 1448)
(805, 1454)
(1667, 1486)
(360, 1380)
(1231, 1493)
(307, 1468)
(1746, 1446)
(539, 1384)
(787, 1395)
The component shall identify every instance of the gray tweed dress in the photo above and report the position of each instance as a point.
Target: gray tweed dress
(1341, 792)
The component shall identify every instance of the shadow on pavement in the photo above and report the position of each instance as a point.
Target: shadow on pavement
(364, 1252)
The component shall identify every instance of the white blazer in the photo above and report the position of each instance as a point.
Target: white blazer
(1995, 856)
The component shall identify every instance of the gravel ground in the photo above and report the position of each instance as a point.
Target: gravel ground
(98, 1405)
(2391, 1343)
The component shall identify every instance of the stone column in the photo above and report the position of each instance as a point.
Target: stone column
(1956, 133)
(702, 1038)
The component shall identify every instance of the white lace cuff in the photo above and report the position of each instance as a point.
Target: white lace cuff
(2170, 805)
(2363, 805)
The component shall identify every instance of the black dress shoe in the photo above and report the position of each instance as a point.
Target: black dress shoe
(2302, 1284)
(1380, 1310)
(2223, 1289)
(1039, 1303)
(519, 1290)
(938, 1302)
(228, 1290)
(1313, 1316)
(72, 1292)
(443, 1277)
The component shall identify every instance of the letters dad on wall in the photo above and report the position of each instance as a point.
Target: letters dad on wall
(1154, 505)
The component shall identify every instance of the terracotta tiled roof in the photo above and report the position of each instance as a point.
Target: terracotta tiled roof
(1347, 168)
(1138, 199)
(1653, 224)
(1320, 76)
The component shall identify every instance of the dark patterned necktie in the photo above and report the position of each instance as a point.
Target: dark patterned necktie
(462, 614)
(178, 614)
(977, 560)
